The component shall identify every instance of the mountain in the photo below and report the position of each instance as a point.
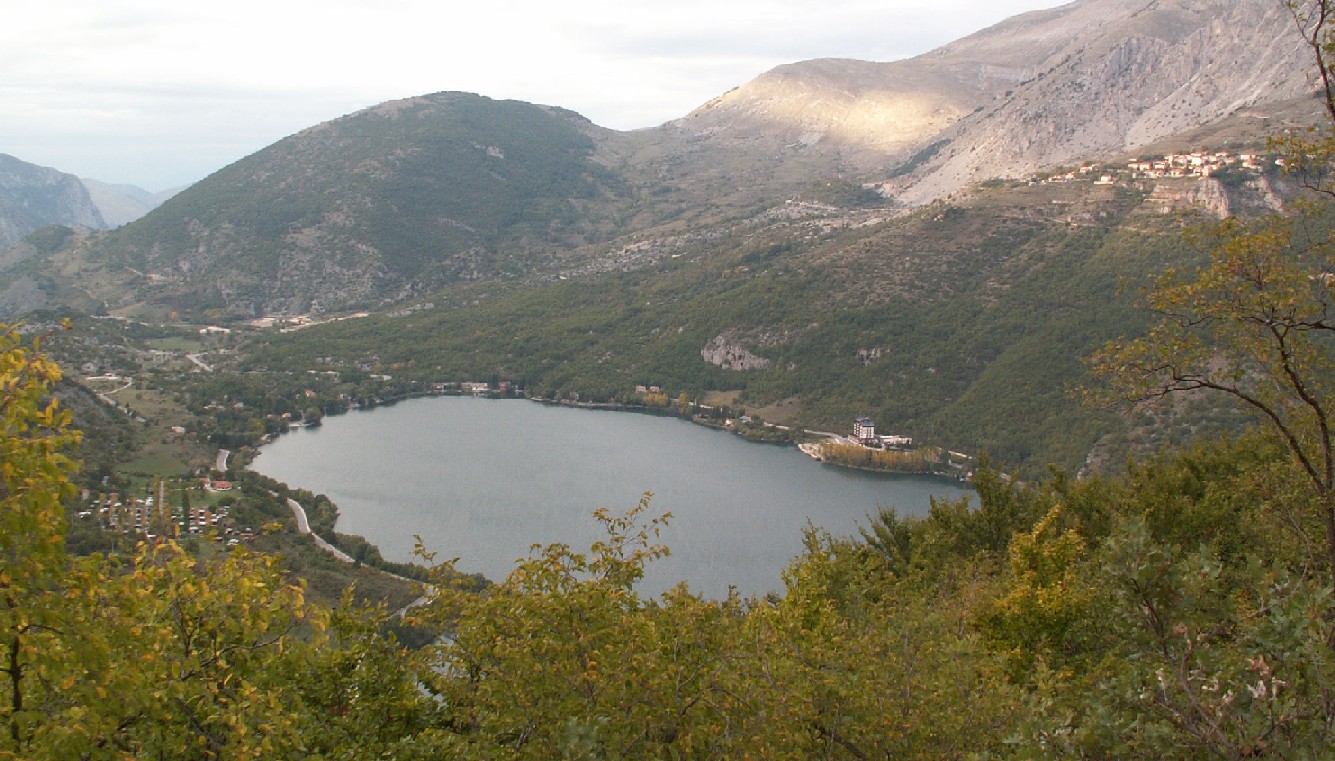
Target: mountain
(32, 197)
(406, 197)
(1091, 79)
(832, 239)
(395, 200)
(1116, 76)
(122, 204)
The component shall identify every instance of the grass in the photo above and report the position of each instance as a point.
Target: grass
(157, 461)
(781, 412)
(721, 398)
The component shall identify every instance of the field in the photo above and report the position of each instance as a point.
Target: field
(164, 453)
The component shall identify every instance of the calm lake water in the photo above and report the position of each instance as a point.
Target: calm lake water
(484, 480)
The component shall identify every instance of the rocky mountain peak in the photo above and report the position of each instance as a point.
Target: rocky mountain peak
(1130, 72)
(1092, 78)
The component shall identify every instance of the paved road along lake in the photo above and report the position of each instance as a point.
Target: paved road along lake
(485, 479)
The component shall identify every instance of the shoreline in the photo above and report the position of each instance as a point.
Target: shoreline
(809, 448)
(718, 458)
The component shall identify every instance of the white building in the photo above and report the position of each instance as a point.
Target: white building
(864, 430)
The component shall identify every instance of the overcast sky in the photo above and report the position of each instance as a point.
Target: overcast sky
(160, 93)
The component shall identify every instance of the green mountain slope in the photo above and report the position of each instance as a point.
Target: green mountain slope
(961, 324)
(387, 202)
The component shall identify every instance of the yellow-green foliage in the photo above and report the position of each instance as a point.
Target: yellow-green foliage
(1045, 596)
(924, 460)
(654, 399)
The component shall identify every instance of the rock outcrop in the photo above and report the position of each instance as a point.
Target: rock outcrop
(724, 350)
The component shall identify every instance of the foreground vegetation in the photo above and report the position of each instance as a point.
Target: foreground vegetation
(1112, 617)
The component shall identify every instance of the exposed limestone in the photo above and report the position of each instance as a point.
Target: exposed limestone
(1083, 80)
(724, 351)
(1128, 73)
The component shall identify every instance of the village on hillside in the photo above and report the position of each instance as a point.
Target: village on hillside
(1173, 165)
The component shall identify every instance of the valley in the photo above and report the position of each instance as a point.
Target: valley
(328, 455)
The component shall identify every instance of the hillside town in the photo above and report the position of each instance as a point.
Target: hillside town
(1196, 164)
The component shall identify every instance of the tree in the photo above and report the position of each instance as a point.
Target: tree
(34, 477)
(1198, 659)
(1046, 599)
(564, 657)
(1256, 323)
(159, 655)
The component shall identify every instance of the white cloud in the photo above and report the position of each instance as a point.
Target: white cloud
(161, 92)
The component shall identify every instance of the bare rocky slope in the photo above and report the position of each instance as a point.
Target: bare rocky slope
(1130, 72)
(1091, 79)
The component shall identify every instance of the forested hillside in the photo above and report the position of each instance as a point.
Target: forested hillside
(378, 205)
(963, 324)
(755, 254)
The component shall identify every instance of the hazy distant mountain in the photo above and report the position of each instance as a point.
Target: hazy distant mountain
(32, 197)
(122, 204)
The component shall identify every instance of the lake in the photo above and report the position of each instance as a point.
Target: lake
(484, 479)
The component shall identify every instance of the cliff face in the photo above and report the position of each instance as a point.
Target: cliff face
(727, 353)
(32, 197)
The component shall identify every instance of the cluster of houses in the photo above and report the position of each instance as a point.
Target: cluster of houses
(1194, 164)
(1197, 164)
(864, 433)
(151, 518)
(477, 388)
(287, 324)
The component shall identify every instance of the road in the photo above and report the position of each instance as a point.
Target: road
(195, 358)
(304, 527)
(106, 397)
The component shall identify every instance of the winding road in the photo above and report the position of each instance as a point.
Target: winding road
(304, 527)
